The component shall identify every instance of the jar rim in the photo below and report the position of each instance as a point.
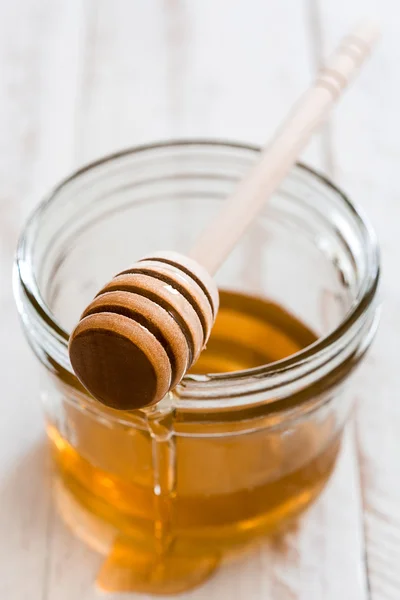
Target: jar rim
(209, 386)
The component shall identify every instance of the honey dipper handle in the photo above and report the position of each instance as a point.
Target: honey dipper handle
(238, 212)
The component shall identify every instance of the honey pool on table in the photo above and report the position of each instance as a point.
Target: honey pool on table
(198, 496)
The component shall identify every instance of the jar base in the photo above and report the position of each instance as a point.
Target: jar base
(132, 565)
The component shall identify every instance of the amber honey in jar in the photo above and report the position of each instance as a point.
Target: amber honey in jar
(250, 437)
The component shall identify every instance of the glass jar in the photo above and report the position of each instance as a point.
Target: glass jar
(226, 457)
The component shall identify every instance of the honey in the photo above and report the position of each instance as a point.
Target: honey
(177, 502)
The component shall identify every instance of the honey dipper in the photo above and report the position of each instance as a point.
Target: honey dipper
(145, 329)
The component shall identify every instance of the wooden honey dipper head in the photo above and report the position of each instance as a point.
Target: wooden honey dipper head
(143, 331)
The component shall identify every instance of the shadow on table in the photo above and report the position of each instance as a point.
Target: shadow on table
(24, 523)
(25, 494)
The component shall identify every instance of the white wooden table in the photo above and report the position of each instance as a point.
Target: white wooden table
(80, 78)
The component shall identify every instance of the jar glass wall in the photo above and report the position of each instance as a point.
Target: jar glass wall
(227, 456)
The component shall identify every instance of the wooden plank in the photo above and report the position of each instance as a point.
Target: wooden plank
(366, 156)
(37, 43)
(177, 68)
(122, 98)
